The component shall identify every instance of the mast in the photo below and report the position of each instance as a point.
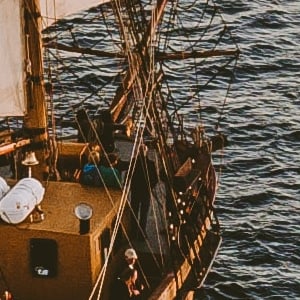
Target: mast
(35, 121)
(120, 98)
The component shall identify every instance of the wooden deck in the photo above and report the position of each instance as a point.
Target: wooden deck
(59, 203)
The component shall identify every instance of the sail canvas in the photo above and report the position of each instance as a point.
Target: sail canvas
(53, 10)
(12, 77)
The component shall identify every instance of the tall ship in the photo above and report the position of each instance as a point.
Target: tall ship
(111, 113)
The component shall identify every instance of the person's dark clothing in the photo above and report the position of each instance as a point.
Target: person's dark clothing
(104, 127)
(140, 282)
(111, 176)
(101, 127)
(85, 131)
(126, 286)
(90, 175)
(120, 291)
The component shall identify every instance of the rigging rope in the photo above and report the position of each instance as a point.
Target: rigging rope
(138, 139)
(144, 90)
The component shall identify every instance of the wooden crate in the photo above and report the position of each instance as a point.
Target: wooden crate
(71, 157)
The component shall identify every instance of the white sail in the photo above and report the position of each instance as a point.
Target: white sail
(53, 10)
(12, 75)
(12, 50)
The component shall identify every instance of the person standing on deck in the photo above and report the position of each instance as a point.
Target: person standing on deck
(130, 262)
(143, 180)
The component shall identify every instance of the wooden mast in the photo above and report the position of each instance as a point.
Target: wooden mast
(35, 121)
(123, 90)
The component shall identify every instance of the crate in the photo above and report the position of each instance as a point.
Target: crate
(71, 157)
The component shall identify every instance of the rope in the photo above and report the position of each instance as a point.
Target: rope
(143, 92)
(137, 143)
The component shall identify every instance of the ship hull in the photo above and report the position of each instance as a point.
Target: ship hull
(53, 258)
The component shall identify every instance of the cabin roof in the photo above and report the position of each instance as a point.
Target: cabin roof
(59, 203)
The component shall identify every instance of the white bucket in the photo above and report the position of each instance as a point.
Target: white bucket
(20, 200)
(4, 188)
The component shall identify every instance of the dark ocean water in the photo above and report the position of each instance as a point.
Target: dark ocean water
(258, 200)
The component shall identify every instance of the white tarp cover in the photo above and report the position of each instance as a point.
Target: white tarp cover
(53, 10)
(20, 200)
(4, 188)
(11, 60)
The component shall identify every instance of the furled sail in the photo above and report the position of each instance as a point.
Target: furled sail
(12, 77)
(53, 10)
(20, 200)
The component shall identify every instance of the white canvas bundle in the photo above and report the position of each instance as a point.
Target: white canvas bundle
(20, 201)
(4, 187)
